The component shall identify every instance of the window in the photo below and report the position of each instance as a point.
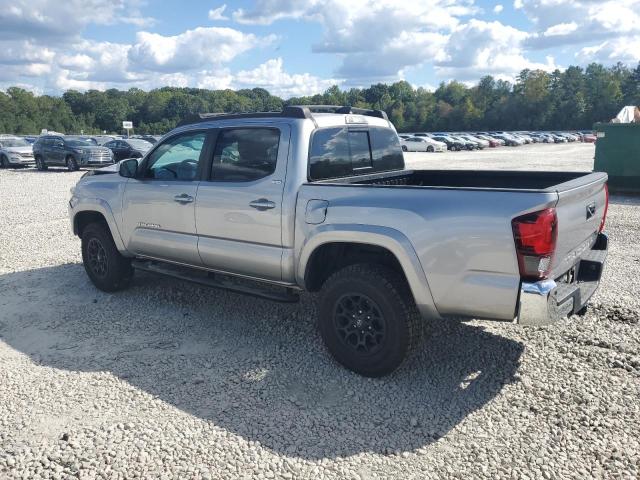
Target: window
(329, 156)
(386, 150)
(360, 150)
(338, 152)
(177, 158)
(245, 154)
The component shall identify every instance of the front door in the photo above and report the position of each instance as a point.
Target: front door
(239, 205)
(158, 207)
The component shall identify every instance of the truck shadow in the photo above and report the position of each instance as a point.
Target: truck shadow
(253, 368)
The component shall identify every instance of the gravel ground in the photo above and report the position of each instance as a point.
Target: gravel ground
(169, 380)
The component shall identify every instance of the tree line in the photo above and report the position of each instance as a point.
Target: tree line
(572, 99)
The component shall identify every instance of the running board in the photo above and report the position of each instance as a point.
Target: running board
(188, 275)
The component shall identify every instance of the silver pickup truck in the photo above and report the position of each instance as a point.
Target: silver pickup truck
(317, 198)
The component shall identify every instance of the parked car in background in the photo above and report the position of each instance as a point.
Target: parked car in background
(452, 144)
(466, 144)
(69, 151)
(422, 144)
(509, 140)
(130, 148)
(523, 139)
(15, 151)
(493, 142)
(31, 139)
(473, 138)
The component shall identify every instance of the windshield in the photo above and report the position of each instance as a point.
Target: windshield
(14, 142)
(139, 144)
(77, 142)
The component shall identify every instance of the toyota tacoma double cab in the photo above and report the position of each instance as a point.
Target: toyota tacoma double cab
(317, 199)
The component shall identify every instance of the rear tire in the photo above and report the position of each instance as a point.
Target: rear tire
(404, 148)
(40, 165)
(105, 266)
(4, 162)
(72, 165)
(368, 319)
(430, 149)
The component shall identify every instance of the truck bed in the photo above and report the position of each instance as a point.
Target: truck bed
(468, 179)
(459, 223)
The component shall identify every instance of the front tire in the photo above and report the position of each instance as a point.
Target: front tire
(404, 148)
(4, 162)
(40, 165)
(72, 165)
(105, 266)
(368, 319)
(430, 149)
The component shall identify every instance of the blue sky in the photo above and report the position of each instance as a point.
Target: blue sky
(297, 47)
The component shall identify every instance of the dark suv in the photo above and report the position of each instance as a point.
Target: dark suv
(70, 152)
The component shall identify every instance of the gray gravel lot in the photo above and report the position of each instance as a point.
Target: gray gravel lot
(170, 380)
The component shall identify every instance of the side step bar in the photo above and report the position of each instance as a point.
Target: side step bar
(188, 275)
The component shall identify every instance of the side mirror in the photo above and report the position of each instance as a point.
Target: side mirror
(128, 168)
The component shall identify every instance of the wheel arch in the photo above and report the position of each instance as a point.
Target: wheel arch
(96, 211)
(332, 247)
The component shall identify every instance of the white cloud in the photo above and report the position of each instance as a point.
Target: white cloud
(61, 20)
(218, 13)
(498, 8)
(375, 40)
(626, 50)
(192, 49)
(559, 23)
(486, 48)
(271, 76)
(561, 29)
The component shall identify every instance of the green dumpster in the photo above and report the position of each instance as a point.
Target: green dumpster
(618, 154)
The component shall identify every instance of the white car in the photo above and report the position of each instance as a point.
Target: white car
(422, 144)
(15, 151)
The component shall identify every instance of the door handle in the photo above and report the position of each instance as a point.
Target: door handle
(183, 198)
(262, 204)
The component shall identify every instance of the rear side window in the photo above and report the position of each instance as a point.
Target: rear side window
(339, 152)
(245, 154)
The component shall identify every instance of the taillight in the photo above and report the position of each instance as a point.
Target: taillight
(535, 235)
(606, 207)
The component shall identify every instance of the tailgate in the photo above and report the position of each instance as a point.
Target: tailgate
(580, 208)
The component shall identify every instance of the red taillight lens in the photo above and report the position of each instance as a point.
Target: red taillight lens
(606, 207)
(535, 235)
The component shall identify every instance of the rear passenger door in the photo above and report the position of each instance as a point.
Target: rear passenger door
(239, 205)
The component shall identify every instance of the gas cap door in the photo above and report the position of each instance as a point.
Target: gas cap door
(316, 211)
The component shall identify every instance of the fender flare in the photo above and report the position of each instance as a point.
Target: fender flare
(393, 240)
(102, 207)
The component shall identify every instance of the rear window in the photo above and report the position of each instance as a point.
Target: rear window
(340, 152)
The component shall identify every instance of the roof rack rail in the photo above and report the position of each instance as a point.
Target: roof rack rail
(343, 109)
(289, 111)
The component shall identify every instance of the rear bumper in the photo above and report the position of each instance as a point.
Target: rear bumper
(547, 301)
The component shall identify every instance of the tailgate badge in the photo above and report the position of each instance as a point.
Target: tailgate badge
(591, 210)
